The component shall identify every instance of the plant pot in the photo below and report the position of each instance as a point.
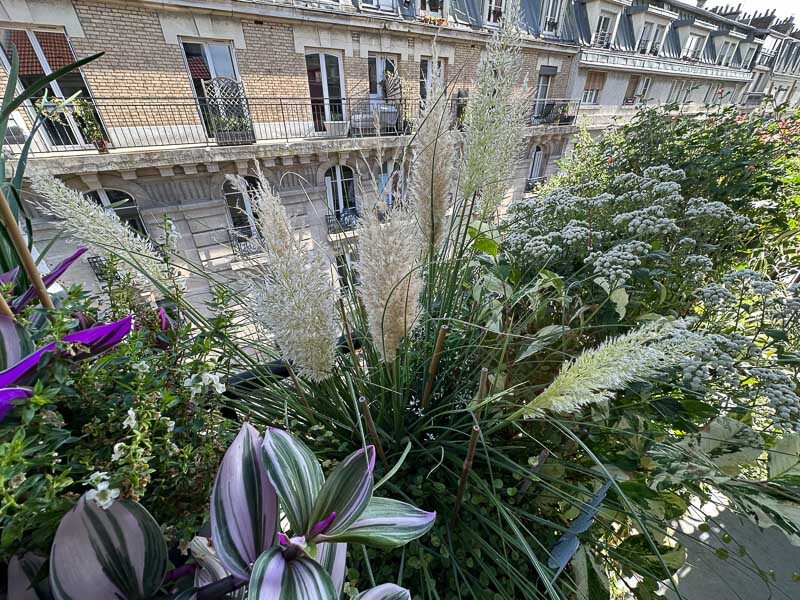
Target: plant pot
(337, 128)
(235, 138)
(102, 146)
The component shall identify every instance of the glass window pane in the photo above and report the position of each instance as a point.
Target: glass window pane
(222, 59)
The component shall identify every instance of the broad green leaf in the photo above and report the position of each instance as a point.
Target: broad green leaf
(487, 246)
(295, 474)
(387, 591)
(784, 458)
(387, 523)
(619, 298)
(15, 343)
(543, 338)
(244, 506)
(728, 443)
(345, 494)
(97, 554)
(275, 578)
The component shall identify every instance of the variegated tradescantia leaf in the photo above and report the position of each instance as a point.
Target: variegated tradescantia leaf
(209, 568)
(345, 494)
(244, 506)
(333, 559)
(295, 474)
(275, 578)
(15, 343)
(98, 554)
(23, 582)
(387, 523)
(387, 591)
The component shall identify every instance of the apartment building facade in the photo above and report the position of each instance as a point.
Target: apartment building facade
(318, 95)
(321, 95)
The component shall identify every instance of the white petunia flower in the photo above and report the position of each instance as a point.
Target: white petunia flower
(103, 495)
(98, 476)
(141, 367)
(130, 420)
(213, 379)
(170, 426)
(119, 451)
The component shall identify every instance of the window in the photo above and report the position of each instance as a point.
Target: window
(603, 32)
(431, 8)
(694, 46)
(346, 271)
(378, 68)
(595, 81)
(644, 89)
(726, 53)
(551, 16)
(748, 58)
(541, 94)
(536, 169)
(389, 182)
(40, 53)
(378, 4)
(122, 204)
(646, 39)
(240, 208)
(341, 192)
(426, 73)
(658, 40)
(206, 61)
(494, 11)
(630, 92)
(680, 91)
(326, 88)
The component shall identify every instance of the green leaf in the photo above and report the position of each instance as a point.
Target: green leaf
(643, 560)
(619, 298)
(784, 458)
(388, 523)
(295, 474)
(275, 578)
(486, 245)
(394, 469)
(543, 338)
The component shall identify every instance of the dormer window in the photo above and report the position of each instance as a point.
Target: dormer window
(551, 16)
(495, 11)
(604, 30)
(748, 58)
(726, 53)
(431, 8)
(646, 39)
(694, 46)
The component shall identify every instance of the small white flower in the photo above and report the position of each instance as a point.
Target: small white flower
(119, 451)
(103, 496)
(141, 367)
(170, 426)
(213, 379)
(195, 386)
(130, 420)
(17, 480)
(173, 448)
(98, 476)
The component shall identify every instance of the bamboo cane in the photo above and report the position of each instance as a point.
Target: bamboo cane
(373, 433)
(465, 471)
(434, 366)
(21, 247)
(5, 310)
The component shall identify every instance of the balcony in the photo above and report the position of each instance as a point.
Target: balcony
(533, 182)
(244, 242)
(342, 221)
(111, 124)
(602, 39)
(552, 111)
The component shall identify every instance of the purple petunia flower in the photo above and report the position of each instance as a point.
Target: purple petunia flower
(96, 340)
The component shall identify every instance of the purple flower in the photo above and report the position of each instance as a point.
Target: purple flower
(19, 303)
(94, 340)
(164, 321)
(7, 397)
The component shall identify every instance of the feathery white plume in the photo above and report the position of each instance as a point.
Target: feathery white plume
(433, 151)
(598, 373)
(101, 230)
(294, 298)
(389, 274)
(494, 124)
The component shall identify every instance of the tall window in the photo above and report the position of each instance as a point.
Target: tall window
(541, 94)
(681, 91)
(341, 192)
(240, 207)
(122, 204)
(389, 182)
(494, 11)
(658, 40)
(694, 46)
(748, 58)
(646, 39)
(378, 68)
(630, 91)
(536, 168)
(551, 16)
(40, 53)
(644, 89)
(726, 52)
(604, 30)
(208, 60)
(426, 72)
(326, 88)
(595, 81)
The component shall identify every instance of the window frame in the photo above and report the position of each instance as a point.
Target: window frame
(249, 212)
(106, 203)
(552, 11)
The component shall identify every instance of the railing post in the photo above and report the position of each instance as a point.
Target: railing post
(283, 120)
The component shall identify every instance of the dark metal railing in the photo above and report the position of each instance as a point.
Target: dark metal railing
(554, 111)
(342, 220)
(120, 123)
(532, 182)
(245, 242)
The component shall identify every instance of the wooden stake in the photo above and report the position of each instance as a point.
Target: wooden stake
(21, 247)
(434, 366)
(483, 388)
(465, 471)
(373, 433)
(5, 309)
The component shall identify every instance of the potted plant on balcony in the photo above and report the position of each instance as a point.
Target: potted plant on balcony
(87, 121)
(232, 129)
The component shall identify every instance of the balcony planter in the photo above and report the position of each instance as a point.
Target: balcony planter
(235, 138)
(337, 128)
(233, 130)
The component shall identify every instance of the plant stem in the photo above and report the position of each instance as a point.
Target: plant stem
(483, 388)
(21, 247)
(373, 433)
(462, 484)
(5, 310)
(369, 567)
(434, 366)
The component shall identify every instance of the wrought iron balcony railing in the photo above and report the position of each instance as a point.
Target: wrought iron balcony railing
(554, 111)
(125, 123)
(602, 39)
(245, 242)
(342, 220)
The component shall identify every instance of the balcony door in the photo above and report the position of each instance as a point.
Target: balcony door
(541, 95)
(340, 189)
(326, 88)
(379, 67)
(40, 53)
(536, 168)
(207, 61)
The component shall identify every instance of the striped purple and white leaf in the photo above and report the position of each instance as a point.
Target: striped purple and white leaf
(345, 495)
(97, 554)
(295, 474)
(387, 591)
(15, 343)
(275, 578)
(333, 559)
(23, 578)
(386, 523)
(244, 506)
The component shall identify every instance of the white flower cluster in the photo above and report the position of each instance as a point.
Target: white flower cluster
(615, 265)
(714, 295)
(779, 390)
(103, 494)
(647, 222)
(200, 382)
